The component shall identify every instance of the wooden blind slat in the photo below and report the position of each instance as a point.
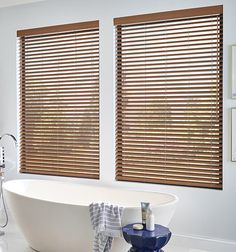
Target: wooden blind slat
(169, 97)
(80, 35)
(45, 147)
(61, 173)
(59, 124)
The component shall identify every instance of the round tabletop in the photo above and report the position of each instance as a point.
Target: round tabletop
(158, 232)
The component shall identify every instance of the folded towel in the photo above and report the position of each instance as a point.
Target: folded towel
(106, 222)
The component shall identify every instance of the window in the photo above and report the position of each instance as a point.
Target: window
(169, 97)
(59, 100)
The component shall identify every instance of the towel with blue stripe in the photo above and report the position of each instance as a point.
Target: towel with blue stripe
(106, 222)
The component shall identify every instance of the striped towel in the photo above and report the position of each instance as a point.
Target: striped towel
(106, 222)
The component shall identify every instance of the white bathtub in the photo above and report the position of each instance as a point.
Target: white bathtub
(53, 216)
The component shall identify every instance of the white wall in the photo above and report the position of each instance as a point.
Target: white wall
(201, 212)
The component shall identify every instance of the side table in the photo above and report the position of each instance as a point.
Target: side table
(146, 241)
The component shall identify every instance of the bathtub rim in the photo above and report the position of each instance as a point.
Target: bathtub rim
(172, 202)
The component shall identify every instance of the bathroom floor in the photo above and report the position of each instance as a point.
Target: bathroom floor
(13, 241)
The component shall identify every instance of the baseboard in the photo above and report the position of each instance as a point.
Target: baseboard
(209, 239)
(200, 243)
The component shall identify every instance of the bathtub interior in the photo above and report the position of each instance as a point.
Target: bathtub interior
(75, 194)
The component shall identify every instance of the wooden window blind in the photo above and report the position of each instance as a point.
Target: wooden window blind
(59, 100)
(169, 97)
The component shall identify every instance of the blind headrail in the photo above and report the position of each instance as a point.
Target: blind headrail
(58, 28)
(194, 12)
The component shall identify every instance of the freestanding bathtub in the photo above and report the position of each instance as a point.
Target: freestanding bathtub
(53, 216)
